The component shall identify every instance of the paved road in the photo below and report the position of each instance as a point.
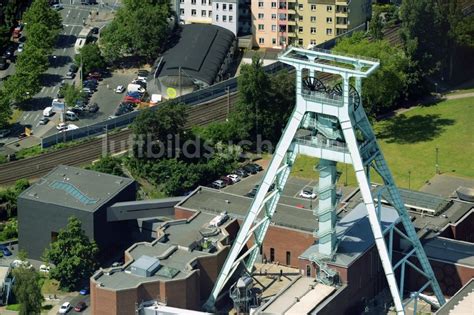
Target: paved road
(61, 58)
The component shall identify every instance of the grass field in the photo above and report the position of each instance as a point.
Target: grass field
(409, 143)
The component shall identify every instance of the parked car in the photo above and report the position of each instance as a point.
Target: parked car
(70, 75)
(22, 135)
(218, 184)
(80, 306)
(21, 47)
(3, 63)
(84, 291)
(250, 169)
(94, 75)
(87, 90)
(4, 132)
(91, 82)
(44, 269)
(21, 263)
(5, 250)
(95, 30)
(308, 194)
(10, 52)
(119, 89)
(227, 180)
(61, 126)
(44, 120)
(73, 68)
(66, 307)
(241, 172)
(93, 108)
(256, 166)
(234, 178)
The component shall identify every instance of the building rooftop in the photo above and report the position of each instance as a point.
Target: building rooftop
(70, 186)
(300, 297)
(215, 201)
(199, 53)
(449, 250)
(461, 303)
(176, 249)
(355, 235)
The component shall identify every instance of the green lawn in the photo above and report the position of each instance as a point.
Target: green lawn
(409, 143)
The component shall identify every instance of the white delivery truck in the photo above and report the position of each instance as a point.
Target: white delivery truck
(48, 111)
(135, 88)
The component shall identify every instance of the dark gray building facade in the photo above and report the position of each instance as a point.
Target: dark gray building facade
(45, 207)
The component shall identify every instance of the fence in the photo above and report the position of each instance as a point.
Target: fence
(191, 99)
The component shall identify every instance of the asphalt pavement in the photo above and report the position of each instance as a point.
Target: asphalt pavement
(74, 14)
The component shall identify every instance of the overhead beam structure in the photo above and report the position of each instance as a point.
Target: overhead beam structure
(336, 129)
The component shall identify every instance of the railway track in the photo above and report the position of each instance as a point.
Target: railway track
(84, 153)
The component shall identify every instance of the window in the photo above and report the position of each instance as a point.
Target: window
(203, 13)
(329, 8)
(312, 42)
(313, 30)
(210, 13)
(288, 258)
(193, 2)
(261, 27)
(313, 7)
(231, 7)
(308, 271)
(224, 7)
(274, 16)
(300, 29)
(274, 41)
(203, 2)
(217, 6)
(274, 28)
(329, 31)
(261, 15)
(272, 250)
(217, 17)
(224, 18)
(181, 11)
(193, 12)
(274, 4)
(260, 4)
(328, 20)
(300, 42)
(300, 6)
(313, 19)
(261, 40)
(300, 18)
(231, 18)
(181, 1)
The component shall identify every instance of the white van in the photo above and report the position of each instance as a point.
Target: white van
(70, 115)
(48, 111)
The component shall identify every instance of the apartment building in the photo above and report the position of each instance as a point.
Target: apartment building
(195, 11)
(304, 23)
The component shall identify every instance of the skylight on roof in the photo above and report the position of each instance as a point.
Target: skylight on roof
(73, 191)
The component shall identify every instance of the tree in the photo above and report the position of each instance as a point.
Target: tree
(40, 12)
(91, 58)
(423, 33)
(159, 125)
(109, 165)
(5, 108)
(27, 291)
(254, 85)
(71, 94)
(139, 28)
(32, 60)
(382, 89)
(73, 255)
(22, 85)
(40, 36)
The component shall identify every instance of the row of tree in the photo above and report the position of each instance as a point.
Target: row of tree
(42, 26)
(140, 28)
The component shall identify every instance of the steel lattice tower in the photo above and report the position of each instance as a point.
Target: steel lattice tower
(337, 130)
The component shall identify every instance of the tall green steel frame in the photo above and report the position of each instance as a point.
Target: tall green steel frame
(345, 135)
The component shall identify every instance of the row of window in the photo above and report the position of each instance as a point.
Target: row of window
(203, 2)
(261, 16)
(224, 6)
(204, 13)
(224, 18)
(300, 6)
(261, 27)
(261, 41)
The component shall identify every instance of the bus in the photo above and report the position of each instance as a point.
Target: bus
(82, 38)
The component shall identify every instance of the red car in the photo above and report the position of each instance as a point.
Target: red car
(130, 99)
(95, 76)
(80, 306)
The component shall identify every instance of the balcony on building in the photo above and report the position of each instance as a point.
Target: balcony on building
(341, 10)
